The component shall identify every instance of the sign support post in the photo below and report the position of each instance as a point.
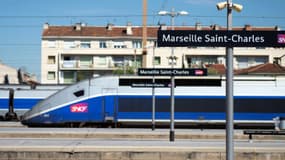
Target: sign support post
(172, 101)
(229, 91)
(153, 89)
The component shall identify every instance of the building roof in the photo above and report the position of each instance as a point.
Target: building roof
(262, 69)
(96, 31)
(267, 68)
(136, 31)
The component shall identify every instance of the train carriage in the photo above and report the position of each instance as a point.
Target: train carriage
(128, 100)
(23, 97)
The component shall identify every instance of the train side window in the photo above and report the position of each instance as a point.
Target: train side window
(79, 93)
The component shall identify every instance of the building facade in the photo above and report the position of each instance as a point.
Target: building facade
(73, 53)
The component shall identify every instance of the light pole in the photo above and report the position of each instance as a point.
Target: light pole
(153, 88)
(172, 14)
(229, 83)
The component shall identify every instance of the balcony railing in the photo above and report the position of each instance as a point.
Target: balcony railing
(69, 64)
(74, 64)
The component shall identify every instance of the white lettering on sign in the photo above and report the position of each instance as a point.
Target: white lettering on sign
(182, 39)
(247, 39)
(215, 38)
(208, 38)
(79, 108)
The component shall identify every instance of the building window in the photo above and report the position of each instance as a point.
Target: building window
(157, 60)
(200, 61)
(69, 62)
(51, 59)
(119, 44)
(82, 75)
(86, 61)
(51, 75)
(69, 44)
(249, 61)
(137, 44)
(102, 60)
(102, 44)
(68, 77)
(68, 58)
(85, 45)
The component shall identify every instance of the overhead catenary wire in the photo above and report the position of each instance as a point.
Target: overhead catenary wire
(134, 15)
(40, 26)
(200, 17)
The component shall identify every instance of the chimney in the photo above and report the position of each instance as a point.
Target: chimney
(247, 27)
(277, 28)
(78, 26)
(129, 29)
(163, 27)
(198, 26)
(109, 26)
(215, 27)
(46, 25)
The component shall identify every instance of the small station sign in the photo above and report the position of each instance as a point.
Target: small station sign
(172, 72)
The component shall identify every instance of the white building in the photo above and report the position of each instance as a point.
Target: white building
(72, 53)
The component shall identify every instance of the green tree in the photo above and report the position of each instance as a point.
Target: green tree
(124, 70)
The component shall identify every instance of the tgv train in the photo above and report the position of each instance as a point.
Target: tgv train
(24, 98)
(125, 100)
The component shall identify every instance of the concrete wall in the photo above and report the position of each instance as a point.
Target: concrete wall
(128, 155)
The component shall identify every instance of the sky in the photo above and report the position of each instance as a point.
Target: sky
(21, 21)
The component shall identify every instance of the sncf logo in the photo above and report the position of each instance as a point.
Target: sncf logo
(199, 72)
(281, 38)
(79, 108)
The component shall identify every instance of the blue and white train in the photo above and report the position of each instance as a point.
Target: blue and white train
(24, 98)
(125, 100)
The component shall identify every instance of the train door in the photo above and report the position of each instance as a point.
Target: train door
(109, 102)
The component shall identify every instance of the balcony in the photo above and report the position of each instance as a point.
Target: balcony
(69, 64)
(109, 65)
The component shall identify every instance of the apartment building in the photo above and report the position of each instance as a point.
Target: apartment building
(73, 53)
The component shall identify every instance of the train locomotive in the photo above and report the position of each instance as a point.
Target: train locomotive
(128, 100)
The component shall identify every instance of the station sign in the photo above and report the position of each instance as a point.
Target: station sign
(172, 72)
(187, 38)
(150, 85)
(147, 82)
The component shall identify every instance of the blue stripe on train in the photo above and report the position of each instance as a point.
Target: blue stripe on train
(100, 107)
(19, 103)
(199, 116)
